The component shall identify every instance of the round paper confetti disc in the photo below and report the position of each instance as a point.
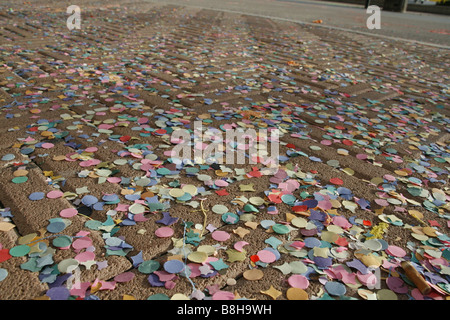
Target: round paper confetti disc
(296, 294)
(220, 235)
(8, 157)
(164, 232)
(19, 179)
(82, 243)
(335, 288)
(20, 173)
(396, 251)
(89, 200)
(266, 256)
(173, 266)
(58, 293)
(36, 196)
(149, 266)
(47, 145)
(298, 281)
(68, 213)
(56, 227)
(219, 209)
(54, 194)
(62, 241)
(197, 256)
(191, 189)
(175, 192)
(280, 228)
(19, 251)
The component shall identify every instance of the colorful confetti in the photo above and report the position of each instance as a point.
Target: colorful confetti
(97, 204)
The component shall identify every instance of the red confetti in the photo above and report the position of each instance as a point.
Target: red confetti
(4, 255)
(301, 208)
(341, 241)
(347, 142)
(434, 223)
(255, 173)
(125, 138)
(222, 192)
(161, 131)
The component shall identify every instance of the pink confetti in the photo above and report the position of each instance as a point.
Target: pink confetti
(47, 145)
(369, 279)
(324, 205)
(266, 256)
(68, 213)
(298, 281)
(396, 251)
(82, 243)
(55, 194)
(397, 285)
(88, 163)
(223, 295)
(382, 202)
(91, 149)
(389, 177)
(361, 156)
(114, 180)
(341, 222)
(239, 245)
(124, 277)
(220, 183)
(85, 256)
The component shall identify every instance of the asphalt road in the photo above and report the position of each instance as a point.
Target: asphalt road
(412, 26)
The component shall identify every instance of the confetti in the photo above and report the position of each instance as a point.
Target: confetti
(359, 185)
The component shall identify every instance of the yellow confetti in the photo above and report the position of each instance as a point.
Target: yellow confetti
(296, 294)
(378, 230)
(6, 226)
(272, 292)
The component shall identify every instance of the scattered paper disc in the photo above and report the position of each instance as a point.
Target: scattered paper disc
(220, 235)
(298, 281)
(197, 256)
(164, 232)
(396, 251)
(173, 266)
(296, 294)
(253, 274)
(68, 213)
(386, 294)
(219, 209)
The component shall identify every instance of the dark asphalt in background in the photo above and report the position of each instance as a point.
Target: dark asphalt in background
(412, 26)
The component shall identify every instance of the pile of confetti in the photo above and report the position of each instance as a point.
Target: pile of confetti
(96, 205)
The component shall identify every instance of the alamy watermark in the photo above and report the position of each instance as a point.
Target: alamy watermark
(374, 20)
(74, 20)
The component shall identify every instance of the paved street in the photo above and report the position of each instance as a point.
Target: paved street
(415, 26)
(96, 204)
